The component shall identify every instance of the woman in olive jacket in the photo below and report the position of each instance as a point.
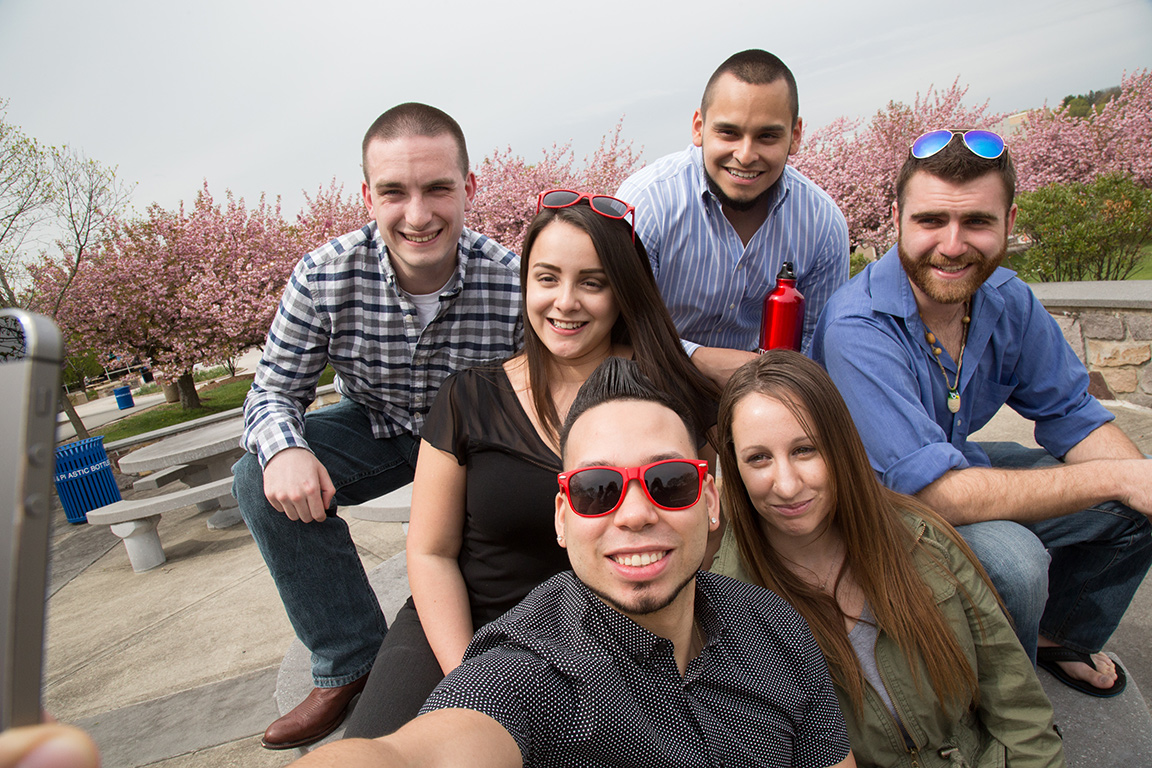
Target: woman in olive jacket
(925, 662)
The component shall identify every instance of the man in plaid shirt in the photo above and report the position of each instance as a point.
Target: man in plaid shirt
(394, 307)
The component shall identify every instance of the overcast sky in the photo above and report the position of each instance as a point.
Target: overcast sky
(275, 96)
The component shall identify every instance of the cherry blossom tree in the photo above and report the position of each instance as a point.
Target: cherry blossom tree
(53, 190)
(1056, 146)
(180, 287)
(508, 184)
(856, 162)
(328, 214)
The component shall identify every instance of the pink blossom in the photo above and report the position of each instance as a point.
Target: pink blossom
(508, 184)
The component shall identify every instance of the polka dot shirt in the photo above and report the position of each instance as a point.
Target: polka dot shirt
(576, 683)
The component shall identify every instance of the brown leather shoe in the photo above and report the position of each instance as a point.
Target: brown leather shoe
(314, 718)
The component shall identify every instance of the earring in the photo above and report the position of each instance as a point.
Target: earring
(713, 520)
(559, 539)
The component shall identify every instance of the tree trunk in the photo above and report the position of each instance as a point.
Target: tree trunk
(188, 397)
(73, 417)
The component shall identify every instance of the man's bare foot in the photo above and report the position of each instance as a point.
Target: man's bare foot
(1103, 676)
(1095, 674)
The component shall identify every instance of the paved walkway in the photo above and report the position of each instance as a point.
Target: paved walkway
(176, 667)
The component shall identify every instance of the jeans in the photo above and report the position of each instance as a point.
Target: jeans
(1068, 578)
(315, 566)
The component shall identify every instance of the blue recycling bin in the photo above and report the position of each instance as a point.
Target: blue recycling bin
(124, 399)
(84, 479)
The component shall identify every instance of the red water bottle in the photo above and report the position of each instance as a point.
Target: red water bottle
(783, 324)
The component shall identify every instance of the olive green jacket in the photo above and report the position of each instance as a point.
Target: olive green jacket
(1011, 727)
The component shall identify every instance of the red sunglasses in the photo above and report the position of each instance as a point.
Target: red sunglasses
(605, 205)
(669, 484)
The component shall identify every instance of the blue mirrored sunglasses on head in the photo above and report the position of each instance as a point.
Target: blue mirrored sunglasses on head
(980, 143)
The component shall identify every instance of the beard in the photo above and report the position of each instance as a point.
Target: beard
(642, 602)
(920, 272)
(736, 205)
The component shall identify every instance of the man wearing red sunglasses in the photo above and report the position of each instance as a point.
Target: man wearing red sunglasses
(635, 657)
(720, 218)
(927, 344)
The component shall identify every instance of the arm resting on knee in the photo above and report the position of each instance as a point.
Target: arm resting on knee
(1104, 466)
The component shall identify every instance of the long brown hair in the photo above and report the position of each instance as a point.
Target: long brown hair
(879, 544)
(644, 322)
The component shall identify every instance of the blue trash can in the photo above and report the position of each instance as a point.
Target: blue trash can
(124, 399)
(84, 479)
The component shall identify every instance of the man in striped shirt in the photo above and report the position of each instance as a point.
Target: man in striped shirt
(719, 218)
(394, 307)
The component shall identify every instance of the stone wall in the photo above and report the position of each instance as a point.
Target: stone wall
(1109, 325)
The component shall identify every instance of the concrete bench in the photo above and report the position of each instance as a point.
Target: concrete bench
(394, 507)
(158, 480)
(135, 520)
(1102, 733)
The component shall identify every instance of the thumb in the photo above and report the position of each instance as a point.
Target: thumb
(47, 746)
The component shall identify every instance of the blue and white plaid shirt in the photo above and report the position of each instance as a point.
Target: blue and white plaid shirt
(714, 285)
(343, 306)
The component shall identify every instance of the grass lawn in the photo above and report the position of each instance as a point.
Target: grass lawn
(222, 398)
(1143, 269)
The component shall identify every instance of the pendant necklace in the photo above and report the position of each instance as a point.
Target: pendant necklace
(832, 570)
(828, 577)
(953, 388)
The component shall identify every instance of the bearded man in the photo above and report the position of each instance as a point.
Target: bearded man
(927, 344)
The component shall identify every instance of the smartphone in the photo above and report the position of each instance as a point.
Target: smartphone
(30, 357)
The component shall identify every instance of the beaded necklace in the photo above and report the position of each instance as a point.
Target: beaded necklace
(953, 388)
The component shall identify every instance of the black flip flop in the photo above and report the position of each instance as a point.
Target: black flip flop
(1047, 658)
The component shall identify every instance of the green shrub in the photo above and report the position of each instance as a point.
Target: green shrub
(856, 262)
(204, 374)
(1092, 231)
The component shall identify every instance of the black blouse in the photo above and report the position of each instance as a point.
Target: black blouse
(509, 544)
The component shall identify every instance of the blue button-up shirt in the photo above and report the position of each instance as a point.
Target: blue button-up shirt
(871, 340)
(713, 284)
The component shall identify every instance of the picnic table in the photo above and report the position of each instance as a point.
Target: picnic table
(205, 454)
(203, 459)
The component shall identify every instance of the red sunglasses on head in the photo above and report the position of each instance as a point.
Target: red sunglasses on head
(605, 205)
(669, 484)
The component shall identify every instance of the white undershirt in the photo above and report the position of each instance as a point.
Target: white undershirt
(427, 304)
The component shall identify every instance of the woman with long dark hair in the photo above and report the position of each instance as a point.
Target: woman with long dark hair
(924, 660)
(481, 534)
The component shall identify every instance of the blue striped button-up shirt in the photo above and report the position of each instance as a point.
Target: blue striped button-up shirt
(343, 306)
(713, 284)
